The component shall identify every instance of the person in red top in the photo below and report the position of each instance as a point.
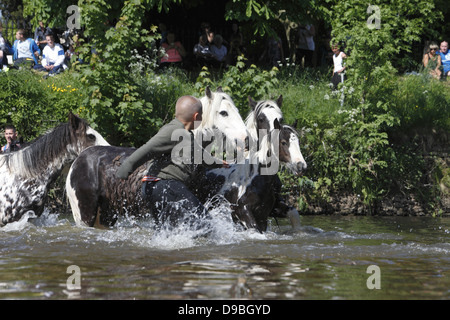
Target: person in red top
(175, 51)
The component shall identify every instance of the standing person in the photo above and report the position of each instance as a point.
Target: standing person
(12, 144)
(432, 61)
(53, 56)
(306, 45)
(273, 51)
(339, 68)
(26, 51)
(445, 58)
(165, 186)
(39, 35)
(5, 49)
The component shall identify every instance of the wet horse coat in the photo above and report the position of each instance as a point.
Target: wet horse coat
(96, 195)
(249, 187)
(26, 174)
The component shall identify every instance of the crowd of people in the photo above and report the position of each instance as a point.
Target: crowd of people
(43, 53)
(436, 60)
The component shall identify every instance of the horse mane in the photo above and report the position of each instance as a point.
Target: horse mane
(251, 122)
(41, 153)
(264, 144)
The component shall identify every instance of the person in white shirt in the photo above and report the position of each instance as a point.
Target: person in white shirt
(339, 67)
(53, 56)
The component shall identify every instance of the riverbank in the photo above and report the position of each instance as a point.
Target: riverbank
(434, 200)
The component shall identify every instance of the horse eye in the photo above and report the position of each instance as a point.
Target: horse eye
(284, 143)
(91, 136)
(223, 113)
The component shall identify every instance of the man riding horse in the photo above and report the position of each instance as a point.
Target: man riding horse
(165, 188)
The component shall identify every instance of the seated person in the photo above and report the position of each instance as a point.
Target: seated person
(218, 50)
(432, 61)
(445, 58)
(25, 50)
(202, 50)
(175, 51)
(12, 143)
(5, 49)
(53, 57)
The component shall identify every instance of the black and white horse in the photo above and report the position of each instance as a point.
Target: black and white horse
(26, 174)
(97, 197)
(250, 187)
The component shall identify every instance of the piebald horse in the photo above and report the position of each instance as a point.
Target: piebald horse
(250, 186)
(26, 174)
(98, 198)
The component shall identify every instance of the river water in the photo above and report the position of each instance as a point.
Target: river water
(328, 257)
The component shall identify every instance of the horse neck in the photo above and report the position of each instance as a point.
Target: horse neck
(260, 146)
(45, 158)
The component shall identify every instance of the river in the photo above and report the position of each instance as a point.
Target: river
(328, 257)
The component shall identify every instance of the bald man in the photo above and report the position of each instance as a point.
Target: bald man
(164, 187)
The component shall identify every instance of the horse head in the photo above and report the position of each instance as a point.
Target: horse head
(82, 135)
(290, 153)
(263, 124)
(220, 113)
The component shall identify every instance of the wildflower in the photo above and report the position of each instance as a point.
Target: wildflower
(311, 87)
(326, 97)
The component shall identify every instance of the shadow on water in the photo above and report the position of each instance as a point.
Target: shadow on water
(327, 258)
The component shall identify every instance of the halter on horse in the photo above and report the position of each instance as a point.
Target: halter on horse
(25, 175)
(94, 191)
(248, 187)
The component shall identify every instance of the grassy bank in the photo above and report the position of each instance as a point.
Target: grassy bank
(362, 158)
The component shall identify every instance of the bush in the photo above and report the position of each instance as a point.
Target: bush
(35, 105)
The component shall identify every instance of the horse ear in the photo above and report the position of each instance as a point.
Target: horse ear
(252, 103)
(74, 121)
(219, 89)
(279, 100)
(208, 92)
(294, 125)
(276, 124)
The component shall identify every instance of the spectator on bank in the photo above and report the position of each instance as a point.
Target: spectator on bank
(163, 29)
(5, 49)
(339, 67)
(236, 45)
(25, 50)
(306, 45)
(39, 35)
(273, 53)
(202, 51)
(432, 61)
(445, 58)
(12, 143)
(218, 50)
(205, 29)
(174, 51)
(53, 57)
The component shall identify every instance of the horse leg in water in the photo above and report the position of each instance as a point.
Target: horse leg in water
(173, 204)
(82, 194)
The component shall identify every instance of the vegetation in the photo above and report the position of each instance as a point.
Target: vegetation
(362, 139)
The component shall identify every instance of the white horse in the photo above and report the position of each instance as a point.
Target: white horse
(26, 174)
